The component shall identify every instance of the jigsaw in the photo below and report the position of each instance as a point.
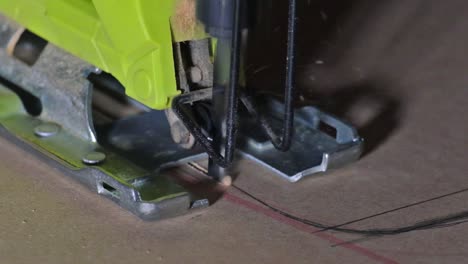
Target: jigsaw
(115, 92)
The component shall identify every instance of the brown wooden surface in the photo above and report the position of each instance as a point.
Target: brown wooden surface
(397, 69)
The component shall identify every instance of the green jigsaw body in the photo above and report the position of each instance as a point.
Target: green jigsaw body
(131, 39)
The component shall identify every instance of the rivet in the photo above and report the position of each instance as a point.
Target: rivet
(195, 74)
(94, 158)
(46, 130)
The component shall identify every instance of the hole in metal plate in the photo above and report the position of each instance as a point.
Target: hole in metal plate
(29, 47)
(108, 189)
(327, 129)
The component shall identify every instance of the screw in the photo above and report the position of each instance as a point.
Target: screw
(46, 130)
(195, 74)
(94, 158)
(96, 70)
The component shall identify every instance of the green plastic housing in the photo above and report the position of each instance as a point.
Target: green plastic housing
(131, 39)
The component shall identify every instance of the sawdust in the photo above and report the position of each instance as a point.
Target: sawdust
(184, 19)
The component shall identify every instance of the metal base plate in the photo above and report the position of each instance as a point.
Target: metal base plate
(321, 142)
(140, 189)
(63, 133)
